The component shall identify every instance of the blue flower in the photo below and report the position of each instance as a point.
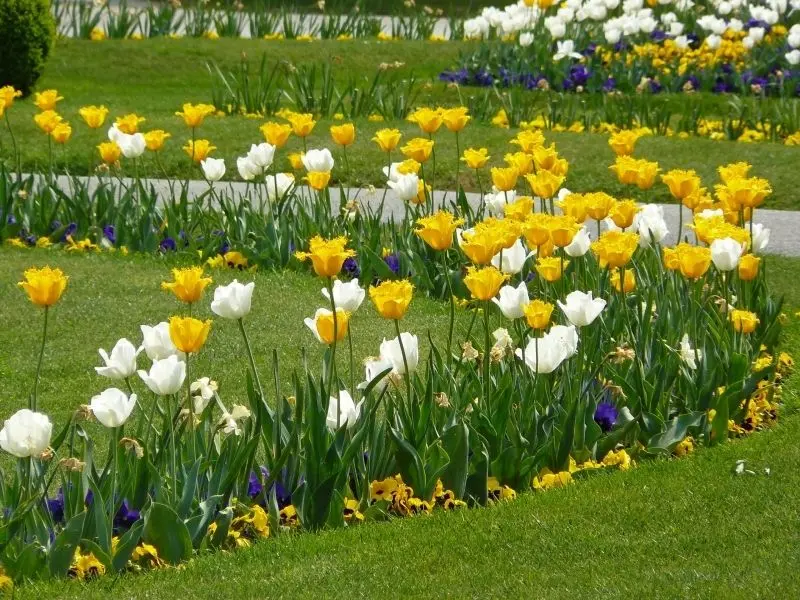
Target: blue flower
(55, 506)
(110, 233)
(125, 517)
(69, 231)
(610, 85)
(350, 268)
(167, 245)
(393, 262)
(606, 415)
(11, 220)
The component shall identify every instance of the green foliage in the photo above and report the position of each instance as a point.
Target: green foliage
(27, 31)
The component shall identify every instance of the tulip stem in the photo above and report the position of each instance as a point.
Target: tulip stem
(486, 352)
(405, 360)
(452, 311)
(250, 358)
(35, 394)
(13, 145)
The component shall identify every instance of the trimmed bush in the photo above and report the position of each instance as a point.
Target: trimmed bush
(27, 31)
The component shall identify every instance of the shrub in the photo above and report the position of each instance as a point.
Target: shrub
(27, 30)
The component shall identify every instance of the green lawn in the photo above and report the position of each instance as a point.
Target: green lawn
(154, 77)
(670, 528)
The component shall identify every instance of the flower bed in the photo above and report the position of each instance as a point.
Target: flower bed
(590, 346)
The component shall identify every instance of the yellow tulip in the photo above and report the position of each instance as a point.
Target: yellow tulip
(545, 184)
(392, 298)
(276, 134)
(481, 245)
(109, 152)
(519, 210)
(437, 230)
(476, 158)
(529, 140)
(562, 230)
(129, 123)
(455, 119)
(188, 334)
(614, 249)
(537, 230)
(302, 124)
(547, 159)
(327, 256)
(538, 313)
(47, 120)
(318, 180)
(574, 205)
(194, 114)
(188, 284)
(733, 171)
(154, 140)
(598, 205)
(387, 139)
(681, 183)
(743, 192)
(551, 269)
(344, 135)
(198, 150)
(694, 261)
(94, 116)
(623, 213)
(623, 280)
(646, 174)
(626, 169)
(428, 119)
(47, 100)
(8, 94)
(622, 142)
(296, 160)
(748, 267)
(520, 161)
(61, 133)
(419, 149)
(504, 178)
(484, 284)
(744, 321)
(44, 286)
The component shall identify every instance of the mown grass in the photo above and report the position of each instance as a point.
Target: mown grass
(670, 528)
(154, 77)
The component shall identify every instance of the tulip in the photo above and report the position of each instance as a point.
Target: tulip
(580, 243)
(247, 169)
(374, 367)
(194, 114)
(615, 249)
(567, 336)
(543, 355)
(347, 296)
(276, 134)
(581, 309)
(689, 355)
(729, 172)
(188, 284)
(429, 120)
(232, 301)
(109, 152)
(112, 407)
(551, 269)
(122, 362)
(199, 150)
(8, 94)
(628, 282)
(437, 230)
(387, 139)
(166, 376)
(302, 124)
(61, 133)
(327, 256)
(519, 210)
(497, 202)
(131, 146)
(512, 301)
(760, 239)
(203, 391)
(455, 119)
(93, 116)
(505, 178)
(623, 213)
(188, 334)
(213, 169)
(480, 245)
(154, 140)
(47, 121)
(545, 184)
(392, 298)
(538, 314)
(325, 328)
(261, 155)
(682, 184)
(344, 135)
(598, 205)
(128, 123)
(406, 187)
(748, 267)
(47, 100)
(419, 149)
(484, 284)
(694, 261)
(650, 225)
(744, 321)
(397, 169)
(44, 286)
(278, 186)
(318, 180)
(157, 343)
(511, 260)
(391, 351)
(318, 160)
(476, 158)
(26, 433)
(342, 411)
(726, 253)
(622, 142)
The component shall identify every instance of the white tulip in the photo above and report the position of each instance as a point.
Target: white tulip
(213, 168)
(342, 411)
(232, 301)
(392, 172)
(565, 49)
(132, 146)
(122, 362)
(203, 391)
(318, 160)
(725, 254)
(406, 187)
(373, 367)
(542, 355)
(650, 224)
(261, 155)
(512, 258)
(793, 57)
(580, 244)
(689, 355)
(26, 433)
(512, 301)
(756, 34)
(114, 134)
(165, 377)
(157, 342)
(525, 39)
(497, 201)
(278, 186)
(760, 239)
(581, 309)
(391, 351)
(247, 169)
(112, 407)
(347, 296)
(567, 336)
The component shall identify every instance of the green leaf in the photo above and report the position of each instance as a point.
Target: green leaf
(456, 443)
(127, 544)
(165, 530)
(63, 550)
(189, 487)
(677, 429)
